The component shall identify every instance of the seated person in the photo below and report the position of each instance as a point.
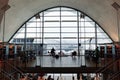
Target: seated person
(61, 53)
(74, 53)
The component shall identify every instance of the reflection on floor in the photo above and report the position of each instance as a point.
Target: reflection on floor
(64, 61)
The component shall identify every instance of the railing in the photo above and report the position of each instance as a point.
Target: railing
(12, 66)
(108, 65)
(9, 69)
(117, 74)
(5, 75)
(111, 69)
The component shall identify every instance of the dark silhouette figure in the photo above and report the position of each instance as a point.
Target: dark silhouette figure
(53, 52)
(49, 77)
(97, 55)
(74, 53)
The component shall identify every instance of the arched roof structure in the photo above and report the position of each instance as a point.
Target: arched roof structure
(101, 11)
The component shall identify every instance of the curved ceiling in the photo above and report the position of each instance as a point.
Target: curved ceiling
(99, 10)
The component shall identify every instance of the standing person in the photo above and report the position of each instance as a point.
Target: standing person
(58, 78)
(97, 77)
(73, 78)
(49, 77)
(40, 78)
(97, 55)
(53, 52)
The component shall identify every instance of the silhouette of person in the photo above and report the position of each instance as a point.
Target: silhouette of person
(53, 52)
(97, 54)
(49, 77)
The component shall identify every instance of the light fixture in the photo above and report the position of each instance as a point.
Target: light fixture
(37, 16)
(82, 16)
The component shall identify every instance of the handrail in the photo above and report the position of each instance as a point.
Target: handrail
(114, 76)
(9, 69)
(7, 75)
(1, 74)
(14, 67)
(108, 65)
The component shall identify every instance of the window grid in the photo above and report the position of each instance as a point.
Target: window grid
(56, 29)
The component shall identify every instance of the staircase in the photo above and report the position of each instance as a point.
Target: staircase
(6, 76)
(8, 70)
(107, 66)
(115, 76)
(111, 70)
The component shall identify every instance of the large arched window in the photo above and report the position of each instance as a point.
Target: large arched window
(63, 28)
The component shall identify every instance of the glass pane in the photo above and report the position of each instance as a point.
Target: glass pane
(20, 35)
(52, 41)
(69, 35)
(61, 31)
(21, 30)
(71, 18)
(69, 30)
(31, 30)
(91, 35)
(53, 9)
(37, 41)
(66, 9)
(104, 41)
(31, 24)
(68, 49)
(89, 23)
(101, 35)
(31, 35)
(69, 41)
(51, 30)
(51, 35)
(51, 19)
(51, 24)
(69, 24)
(69, 13)
(88, 19)
(90, 30)
(52, 13)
